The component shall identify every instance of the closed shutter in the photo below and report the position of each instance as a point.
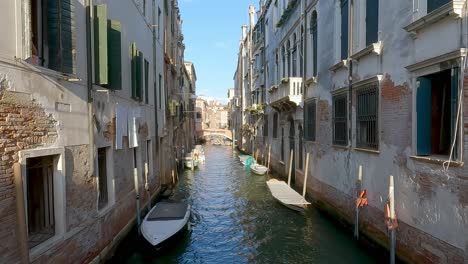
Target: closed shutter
(454, 109)
(310, 120)
(53, 35)
(114, 32)
(68, 36)
(423, 113)
(434, 4)
(100, 45)
(314, 43)
(372, 21)
(146, 81)
(133, 57)
(344, 29)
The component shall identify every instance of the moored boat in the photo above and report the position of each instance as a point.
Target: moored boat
(258, 169)
(164, 221)
(190, 163)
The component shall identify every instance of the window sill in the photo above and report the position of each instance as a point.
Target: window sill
(281, 162)
(343, 147)
(437, 60)
(312, 80)
(372, 48)
(46, 71)
(38, 250)
(453, 9)
(339, 65)
(371, 151)
(437, 160)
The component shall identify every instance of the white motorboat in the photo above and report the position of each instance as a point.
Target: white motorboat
(165, 220)
(258, 169)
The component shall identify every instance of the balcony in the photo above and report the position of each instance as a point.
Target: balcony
(288, 95)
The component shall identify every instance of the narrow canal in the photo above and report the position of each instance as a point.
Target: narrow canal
(236, 220)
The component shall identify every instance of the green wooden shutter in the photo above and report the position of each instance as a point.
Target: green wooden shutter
(454, 109)
(139, 76)
(115, 54)
(372, 21)
(61, 36)
(100, 45)
(146, 81)
(344, 29)
(68, 36)
(423, 114)
(133, 55)
(314, 43)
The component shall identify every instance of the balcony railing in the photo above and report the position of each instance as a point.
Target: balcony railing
(288, 94)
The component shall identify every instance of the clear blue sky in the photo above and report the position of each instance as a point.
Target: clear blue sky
(212, 30)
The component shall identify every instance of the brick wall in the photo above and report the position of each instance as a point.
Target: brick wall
(23, 125)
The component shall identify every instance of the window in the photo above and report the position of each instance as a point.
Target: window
(434, 4)
(265, 127)
(301, 141)
(136, 61)
(310, 118)
(102, 178)
(144, 8)
(160, 90)
(199, 115)
(159, 23)
(372, 21)
(283, 52)
(53, 37)
(367, 135)
(313, 31)
(340, 120)
(275, 125)
(436, 107)
(146, 82)
(344, 29)
(282, 143)
(294, 56)
(40, 199)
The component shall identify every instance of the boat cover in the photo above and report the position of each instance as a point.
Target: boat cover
(166, 211)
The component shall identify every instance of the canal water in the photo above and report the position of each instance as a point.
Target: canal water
(236, 220)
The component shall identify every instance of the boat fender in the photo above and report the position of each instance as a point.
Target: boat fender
(361, 200)
(390, 223)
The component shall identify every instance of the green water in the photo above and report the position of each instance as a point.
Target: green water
(236, 220)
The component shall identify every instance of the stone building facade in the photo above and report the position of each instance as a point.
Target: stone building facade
(83, 103)
(377, 84)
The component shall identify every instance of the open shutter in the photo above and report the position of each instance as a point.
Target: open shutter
(139, 72)
(133, 58)
(423, 115)
(115, 54)
(454, 109)
(372, 21)
(100, 45)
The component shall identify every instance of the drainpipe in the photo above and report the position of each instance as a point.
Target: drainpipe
(350, 79)
(304, 51)
(89, 68)
(250, 46)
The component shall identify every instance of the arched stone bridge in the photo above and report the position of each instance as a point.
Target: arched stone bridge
(216, 132)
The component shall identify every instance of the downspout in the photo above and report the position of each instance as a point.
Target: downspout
(89, 81)
(304, 52)
(154, 26)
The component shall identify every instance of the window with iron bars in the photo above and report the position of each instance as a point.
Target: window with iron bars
(367, 128)
(309, 120)
(340, 120)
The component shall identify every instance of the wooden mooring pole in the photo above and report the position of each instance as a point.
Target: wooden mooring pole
(269, 155)
(290, 166)
(391, 196)
(305, 176)
(358, 188)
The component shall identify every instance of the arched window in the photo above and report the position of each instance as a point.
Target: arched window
(313, 31)
(294, 56)
(283, 54)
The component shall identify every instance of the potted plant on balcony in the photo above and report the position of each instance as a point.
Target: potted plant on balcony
(285, 80)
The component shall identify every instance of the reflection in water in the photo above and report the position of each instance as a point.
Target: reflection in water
(235, 220)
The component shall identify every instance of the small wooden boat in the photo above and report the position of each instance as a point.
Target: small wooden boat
(286, 195)
(258, 169)
(165, 220)
(189, 163)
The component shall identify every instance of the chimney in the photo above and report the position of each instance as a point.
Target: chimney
(244, 32)
(252, 16)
